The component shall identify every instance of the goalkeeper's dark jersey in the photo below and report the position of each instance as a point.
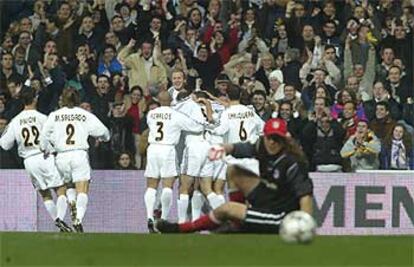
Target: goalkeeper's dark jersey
(284, 179)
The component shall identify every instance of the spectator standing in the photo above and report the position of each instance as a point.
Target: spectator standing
(397, 150)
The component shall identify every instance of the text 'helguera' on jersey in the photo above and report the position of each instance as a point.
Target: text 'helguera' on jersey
(70, 117)
(241, 115)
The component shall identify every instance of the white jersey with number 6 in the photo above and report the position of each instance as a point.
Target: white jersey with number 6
(69, 128)
(240, 123)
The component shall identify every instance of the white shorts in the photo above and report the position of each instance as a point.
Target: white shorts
(74, 166)
(195, 161)
(43, 172)
(161, 162)
(220, 170)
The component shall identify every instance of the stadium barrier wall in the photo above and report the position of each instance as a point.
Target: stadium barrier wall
(373, 203)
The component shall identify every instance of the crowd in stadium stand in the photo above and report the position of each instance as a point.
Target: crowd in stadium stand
(339, 72)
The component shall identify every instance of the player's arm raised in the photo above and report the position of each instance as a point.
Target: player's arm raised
(237, 150)
(7, 139)
(209, 109)
(223, 127)
(188, 124)
(97, 129)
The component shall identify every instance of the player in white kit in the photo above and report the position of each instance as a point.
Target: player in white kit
(25, 130)
(194, 163)
(165, 126)
(238, 123)
(67, 130)
(178, 83)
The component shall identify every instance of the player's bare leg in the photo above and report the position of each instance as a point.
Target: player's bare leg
(166, 196)
(51, 209)
(149, 199)
(206, 185)
(82, 189)
(182, 203)
(218, 188)
(235, 195)
(197, 201)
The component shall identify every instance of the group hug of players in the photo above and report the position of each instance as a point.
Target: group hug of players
(186, 137)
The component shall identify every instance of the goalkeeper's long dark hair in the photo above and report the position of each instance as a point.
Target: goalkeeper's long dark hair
(291, 147)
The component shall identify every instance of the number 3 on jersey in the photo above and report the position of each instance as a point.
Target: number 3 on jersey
(70, 131)
(160, 136)
(242, 132)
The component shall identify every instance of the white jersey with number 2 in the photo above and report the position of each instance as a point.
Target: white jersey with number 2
(69, 128)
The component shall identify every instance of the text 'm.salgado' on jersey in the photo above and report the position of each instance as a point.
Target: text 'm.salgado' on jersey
(25, 129)
(69, 128)
(240, 123)
(165, 125)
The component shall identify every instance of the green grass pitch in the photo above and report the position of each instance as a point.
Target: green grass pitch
(54, 249)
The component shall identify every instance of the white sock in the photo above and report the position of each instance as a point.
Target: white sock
(81, 203)
(197, 202)
(221, 199)
(166, 201)
(182, 205)
(71, 194)
(51, 208)
(149, 199)
(214, 200)
(62, 206)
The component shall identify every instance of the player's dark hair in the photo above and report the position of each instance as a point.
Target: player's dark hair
(234, 92)
(27, 95)
(201, 94)
(70, 97)
(182, 95)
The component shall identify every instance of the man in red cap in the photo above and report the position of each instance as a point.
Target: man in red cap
(282, 186)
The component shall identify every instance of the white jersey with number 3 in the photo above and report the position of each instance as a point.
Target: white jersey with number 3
(69, 128)
(240, 123)
(25, 129)
(165, 125)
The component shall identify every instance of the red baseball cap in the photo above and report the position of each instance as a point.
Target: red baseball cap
(275, 126)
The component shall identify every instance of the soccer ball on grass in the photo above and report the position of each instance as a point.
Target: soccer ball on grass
(298, 227)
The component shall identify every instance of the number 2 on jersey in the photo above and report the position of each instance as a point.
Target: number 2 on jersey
(70, 131)
(26, 136)
(242, 132)
(159, 131)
